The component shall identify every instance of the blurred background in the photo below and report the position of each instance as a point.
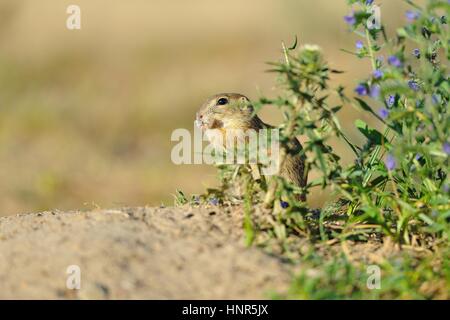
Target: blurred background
(86, 115)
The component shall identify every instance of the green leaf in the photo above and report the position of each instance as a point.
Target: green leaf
(431, 187)
(373, 135)
(426, 219)
(367, 108)
(294, 45)
(336, 109)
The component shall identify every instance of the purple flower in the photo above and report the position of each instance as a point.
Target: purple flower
(418, 156)
(361, 90)
(369, 2)
(214, 201)
(390, 162)
(196, 200)
(446, 188)
(413, 85)
(390, 100)
(394, 61)
(446, 148)
(383, 113)
(284, 204)
(378, 74)
(416, 53)
(412, 15)
(375, 91)
(359, 44)
(435, 98)
(350, 19)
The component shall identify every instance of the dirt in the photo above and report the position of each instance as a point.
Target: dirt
(135, 253)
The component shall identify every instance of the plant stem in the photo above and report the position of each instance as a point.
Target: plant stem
(369, 46)
(270, 195)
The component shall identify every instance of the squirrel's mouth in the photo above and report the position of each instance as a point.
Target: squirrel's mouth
(209, 123)
(199, 123)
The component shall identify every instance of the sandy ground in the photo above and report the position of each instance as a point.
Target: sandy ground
(138, 253)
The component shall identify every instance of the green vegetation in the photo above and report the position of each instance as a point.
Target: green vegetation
(394, 198)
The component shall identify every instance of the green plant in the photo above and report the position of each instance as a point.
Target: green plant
(396, 189)
(400, 177)
(398, 184)
(403, 277)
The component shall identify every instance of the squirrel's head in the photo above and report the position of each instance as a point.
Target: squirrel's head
(225, 110)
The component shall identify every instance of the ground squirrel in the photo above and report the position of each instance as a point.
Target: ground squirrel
(229, 111)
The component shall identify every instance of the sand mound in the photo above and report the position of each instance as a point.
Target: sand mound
(138, 253)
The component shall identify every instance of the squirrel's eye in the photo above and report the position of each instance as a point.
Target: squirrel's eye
(222, 101)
